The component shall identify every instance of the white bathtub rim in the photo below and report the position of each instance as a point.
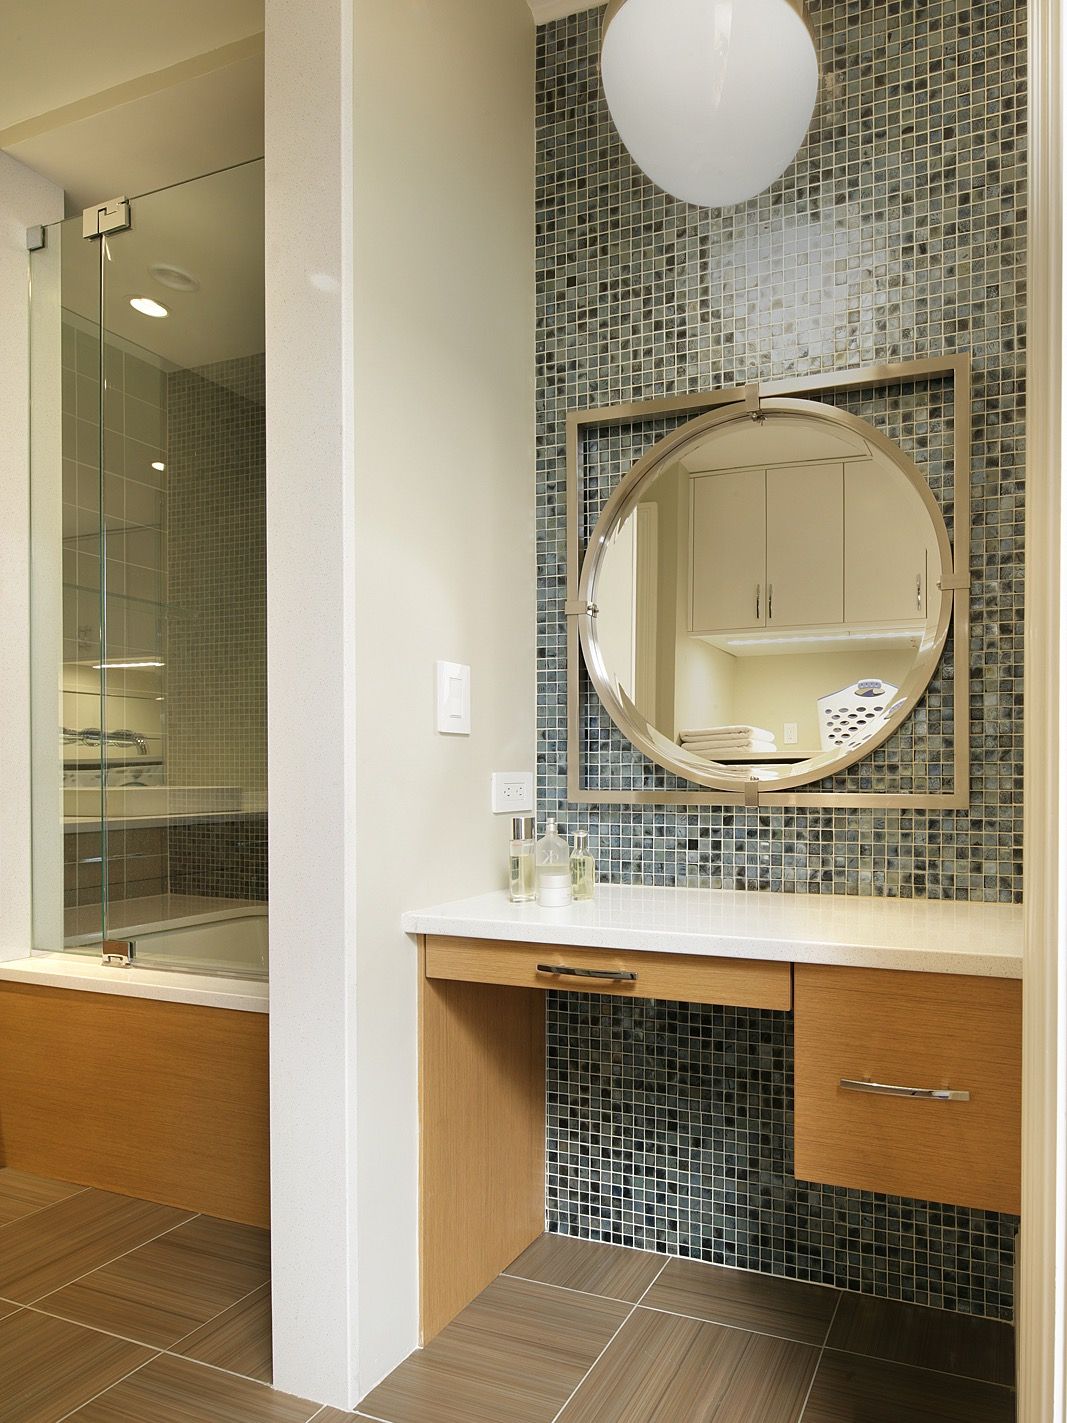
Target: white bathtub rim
(71, 971)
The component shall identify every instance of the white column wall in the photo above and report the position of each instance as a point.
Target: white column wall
(444, 247)
(400, 482)
(26, 200)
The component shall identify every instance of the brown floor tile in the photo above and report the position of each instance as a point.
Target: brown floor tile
(661, 1368)
(22, 1194)
(170, 1390)
(238, 1339)
(516, 1353)
(6, 1308)
(333, 1415)
(48, 1367)
(45, 1251)
(765, 1304)
(849, 1388)
(927, 1338)
(586, 1265)
(164, 1290)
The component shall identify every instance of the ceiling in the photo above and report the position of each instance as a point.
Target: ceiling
(108, 98)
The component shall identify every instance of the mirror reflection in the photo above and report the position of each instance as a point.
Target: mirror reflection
(767, 596)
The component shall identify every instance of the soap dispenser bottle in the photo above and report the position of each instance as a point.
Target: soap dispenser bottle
(553, 868)
(522, 879)
(583, 867)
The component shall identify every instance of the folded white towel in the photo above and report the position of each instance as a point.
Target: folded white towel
(758, 748)
(710, 733)
(727, 741)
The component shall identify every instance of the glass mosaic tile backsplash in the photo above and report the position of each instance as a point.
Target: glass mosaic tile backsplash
(899, 233)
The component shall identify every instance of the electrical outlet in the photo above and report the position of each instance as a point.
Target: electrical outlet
(512, 792)
(790, 737)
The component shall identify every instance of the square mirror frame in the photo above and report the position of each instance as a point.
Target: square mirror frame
(957, 581)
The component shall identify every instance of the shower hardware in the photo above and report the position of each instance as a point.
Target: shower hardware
(91, 736)
(110, 216)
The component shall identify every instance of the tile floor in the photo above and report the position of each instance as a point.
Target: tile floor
(120, 1311)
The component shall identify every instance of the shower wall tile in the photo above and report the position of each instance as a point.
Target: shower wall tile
(899, 232)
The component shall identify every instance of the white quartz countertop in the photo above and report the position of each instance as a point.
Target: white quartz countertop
(922, 935)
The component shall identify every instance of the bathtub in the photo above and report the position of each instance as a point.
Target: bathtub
(181, 933)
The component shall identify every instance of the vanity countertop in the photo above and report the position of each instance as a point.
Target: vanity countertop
(922, 935)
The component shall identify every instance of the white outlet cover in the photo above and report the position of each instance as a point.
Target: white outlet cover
(454, 698)
(512, 792)
(790, 737)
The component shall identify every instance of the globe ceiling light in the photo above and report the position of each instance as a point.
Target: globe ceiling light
(711, 97)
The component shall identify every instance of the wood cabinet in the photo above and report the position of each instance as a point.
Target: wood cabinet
(807, 546)
(919, 1032)
(889, 549)
(728, 550)
(686, 978)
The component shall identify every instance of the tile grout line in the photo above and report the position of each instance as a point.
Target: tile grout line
(114, 1384)
(614, 1335)
(818, 1361)
(172, 1348)
(920, 1368)
(676, 1313)
(40, 1210)
(105, 1263)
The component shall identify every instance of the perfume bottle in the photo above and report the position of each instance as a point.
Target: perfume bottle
(553, 868)
(522, 879)
(583, 867)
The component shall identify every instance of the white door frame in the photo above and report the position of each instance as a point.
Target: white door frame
(1040, 1291)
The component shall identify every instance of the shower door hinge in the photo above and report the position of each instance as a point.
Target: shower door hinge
(117, 953)
(112, 216)
(35, 238)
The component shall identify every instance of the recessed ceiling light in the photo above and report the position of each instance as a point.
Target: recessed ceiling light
(174, 277)
(147, 307)
(158, 464)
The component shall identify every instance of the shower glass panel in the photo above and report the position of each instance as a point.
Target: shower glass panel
(161, 762)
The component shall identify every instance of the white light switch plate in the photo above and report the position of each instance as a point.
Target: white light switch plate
(790, 738)
(454, 698)
(512, 792)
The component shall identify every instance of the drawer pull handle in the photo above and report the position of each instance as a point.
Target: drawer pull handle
(616, 975)
(883, 1089)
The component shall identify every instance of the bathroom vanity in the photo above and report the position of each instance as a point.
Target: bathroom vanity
(908, 1044)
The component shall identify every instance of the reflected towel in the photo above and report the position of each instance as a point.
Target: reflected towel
(740, 748)
(727, 733)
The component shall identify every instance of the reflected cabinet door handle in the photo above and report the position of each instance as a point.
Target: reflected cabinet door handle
(758, 586)
(918, 592)
(884, 1089)
(770, 602)
(616, 975)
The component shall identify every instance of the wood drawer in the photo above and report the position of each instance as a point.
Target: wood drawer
(938, 1031)
(684, 978)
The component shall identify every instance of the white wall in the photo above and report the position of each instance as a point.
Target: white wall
(400, 529)
(26, 199)
(444, 223)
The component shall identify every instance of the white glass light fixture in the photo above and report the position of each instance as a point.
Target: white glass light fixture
(712, 98)
(147, 307)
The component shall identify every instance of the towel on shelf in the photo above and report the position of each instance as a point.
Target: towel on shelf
(716, 753)
(725, 734)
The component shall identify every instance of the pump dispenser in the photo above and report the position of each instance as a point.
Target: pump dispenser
(553, 868)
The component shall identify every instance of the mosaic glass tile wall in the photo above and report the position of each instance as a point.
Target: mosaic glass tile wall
(216, 732)
(899, 233)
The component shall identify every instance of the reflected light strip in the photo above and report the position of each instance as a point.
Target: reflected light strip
(120, 666)
(909, 635)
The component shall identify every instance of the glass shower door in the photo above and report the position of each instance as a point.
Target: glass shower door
(160, 787)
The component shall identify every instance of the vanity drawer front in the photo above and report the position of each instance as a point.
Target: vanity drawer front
(912, 1030)
(684, 978)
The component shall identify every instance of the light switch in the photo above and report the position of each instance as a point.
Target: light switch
(454, 698)
(790, 738)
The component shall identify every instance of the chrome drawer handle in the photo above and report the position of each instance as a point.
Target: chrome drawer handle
(883, 1089)
(616, 975)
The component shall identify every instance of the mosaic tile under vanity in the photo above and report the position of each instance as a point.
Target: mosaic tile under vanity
(670, 1128)
(899, 233)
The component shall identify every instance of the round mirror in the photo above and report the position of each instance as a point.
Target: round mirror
(764, 595)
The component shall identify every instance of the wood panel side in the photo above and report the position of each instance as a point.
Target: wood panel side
(684, 978)
(482, 1137)
(165, 1101)
(912, 1030)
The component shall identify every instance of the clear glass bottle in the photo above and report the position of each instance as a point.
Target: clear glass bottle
(583, 867)
(553, 868)
(522, 876)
